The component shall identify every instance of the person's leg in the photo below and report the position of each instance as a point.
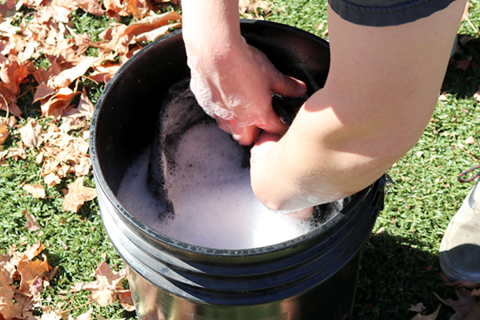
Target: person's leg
(460, 247)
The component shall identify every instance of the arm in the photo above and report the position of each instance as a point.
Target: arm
(231, 80)
(381, 91)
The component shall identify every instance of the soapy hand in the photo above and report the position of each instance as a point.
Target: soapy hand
(235, 87)
(258, 152)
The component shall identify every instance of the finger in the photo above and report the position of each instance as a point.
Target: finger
(222, 124)
(271, 123)
(288, 87)
(244, 135)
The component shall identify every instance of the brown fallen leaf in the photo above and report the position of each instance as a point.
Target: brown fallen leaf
(42, 92)
(12, 73)
(432, 316)
(419, 307)
(470, 140)
(463, 64)
(84, 108)
(466, 13)
(156, 33)
(4, 133)
(77, 195)
(29, 270)
(85, 316)
(115, 9)
(32, 223)
(252, 5)
(90, 6)
(36, 190)
(32, 251)
(138, 8)
(7, 9)
(57, 103)
(466, 307)
(125, 299)
(31, 134)
(6, 293)
(104, 289)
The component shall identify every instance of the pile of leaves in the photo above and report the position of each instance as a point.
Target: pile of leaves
(46, 56)
(19, 301)
(42, 55)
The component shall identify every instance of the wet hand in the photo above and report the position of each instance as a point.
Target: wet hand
(235, 87)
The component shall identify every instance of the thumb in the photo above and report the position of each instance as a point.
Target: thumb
(288, 87)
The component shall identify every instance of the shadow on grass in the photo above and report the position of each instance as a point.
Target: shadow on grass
(396, 273)
(463, 73)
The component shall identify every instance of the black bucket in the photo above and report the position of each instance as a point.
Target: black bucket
(310, 277)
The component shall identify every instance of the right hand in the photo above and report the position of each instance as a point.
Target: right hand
(235, 88)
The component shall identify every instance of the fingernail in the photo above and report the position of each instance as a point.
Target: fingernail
(301, 89)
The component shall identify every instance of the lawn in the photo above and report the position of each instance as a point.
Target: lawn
(400, 264)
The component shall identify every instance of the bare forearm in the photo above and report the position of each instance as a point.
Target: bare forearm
(380, 93)
(210, 23)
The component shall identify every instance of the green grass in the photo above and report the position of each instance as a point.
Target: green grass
(400, 265)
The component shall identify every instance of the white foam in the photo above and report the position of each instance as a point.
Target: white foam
(214, 204)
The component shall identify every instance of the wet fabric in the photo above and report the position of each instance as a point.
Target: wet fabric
(382, 13)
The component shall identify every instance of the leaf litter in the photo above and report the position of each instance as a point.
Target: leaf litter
(58, 139)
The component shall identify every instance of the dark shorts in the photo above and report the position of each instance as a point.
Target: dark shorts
(381, 13)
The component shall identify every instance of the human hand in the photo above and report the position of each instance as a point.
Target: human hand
(258, 153)
(235, 88)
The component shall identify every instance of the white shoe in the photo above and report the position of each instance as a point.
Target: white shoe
(460, 247)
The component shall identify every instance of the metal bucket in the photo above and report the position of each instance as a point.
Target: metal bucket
(310, 277)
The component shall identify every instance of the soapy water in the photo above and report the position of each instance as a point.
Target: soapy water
(210, 190)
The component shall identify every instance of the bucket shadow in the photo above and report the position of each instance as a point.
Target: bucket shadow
(463, 73)
(396, 273)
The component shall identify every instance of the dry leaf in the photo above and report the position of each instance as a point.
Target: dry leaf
(138, 8)
(419, 307)
(17, 153)
(33, 250)
(125, 299)
(84, 108)
(463, 64)
(466, 14)
(4, 133)
(31, 134)
(66, 77)
(77, 195)
(42, 92)
(115, 8)
(36, 190)
(76, 287)
(466, 307)
(90, 6)
(56, 104)
(105, 289)
(470, 140)
(30, 270)
(7, 9)
(103, 297)
(32, 223)
(6, 294)
(252, 5)
(85, 316)
(12, 73)
(50, 315)
(156, 33)
(432, 316)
